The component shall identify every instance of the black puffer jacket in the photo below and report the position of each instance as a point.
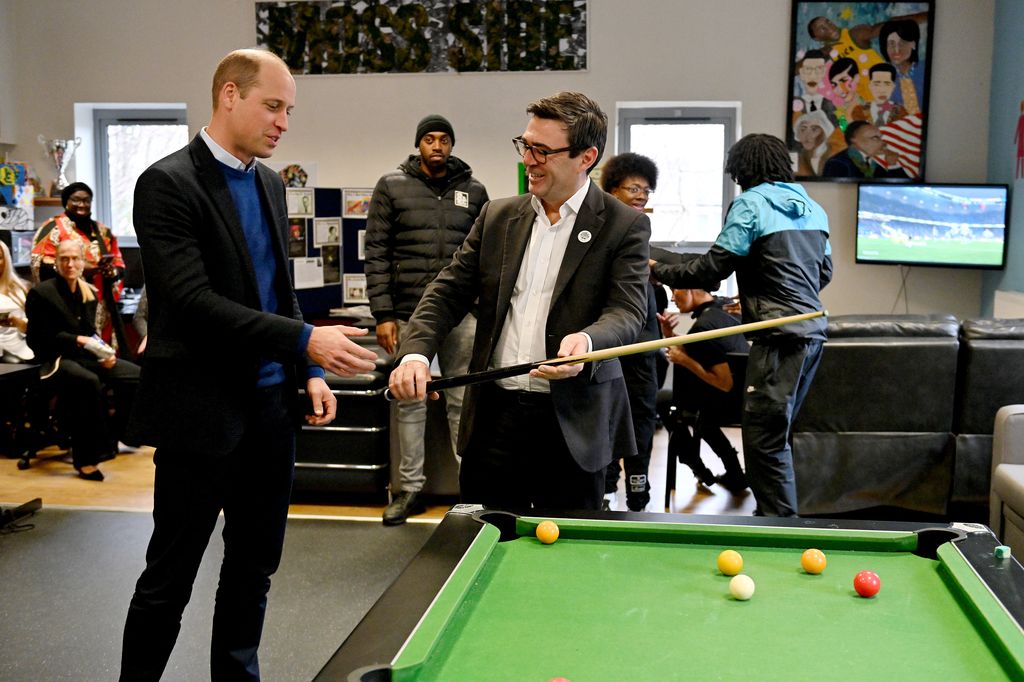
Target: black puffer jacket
(412, 231)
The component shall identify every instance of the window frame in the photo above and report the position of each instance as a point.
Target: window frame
(683, 113)
(102, 118)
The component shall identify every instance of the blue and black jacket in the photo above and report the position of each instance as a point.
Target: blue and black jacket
(776, 241)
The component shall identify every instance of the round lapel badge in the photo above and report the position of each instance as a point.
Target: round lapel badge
(584, 236)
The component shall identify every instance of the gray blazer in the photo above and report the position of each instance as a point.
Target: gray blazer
(600, 290)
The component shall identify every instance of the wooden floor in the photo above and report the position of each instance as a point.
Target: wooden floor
(129, 486)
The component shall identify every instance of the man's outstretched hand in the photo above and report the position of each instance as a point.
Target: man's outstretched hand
(331, 348)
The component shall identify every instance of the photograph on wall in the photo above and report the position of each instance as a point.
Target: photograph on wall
(326, 231)
(858, 90)
(356, 202)
(354, 288)
(296, 237)
(309, 273)
(300, 201)
(331, 253)
(21, 247)
(361, 248)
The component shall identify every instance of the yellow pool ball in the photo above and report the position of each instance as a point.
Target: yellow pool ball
(730, 562)
(813, 561)
(547, 532)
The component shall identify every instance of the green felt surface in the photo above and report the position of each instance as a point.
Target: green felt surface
(594, 608)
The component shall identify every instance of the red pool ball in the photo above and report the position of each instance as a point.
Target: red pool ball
(867, 583)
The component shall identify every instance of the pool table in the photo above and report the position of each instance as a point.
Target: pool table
(639, 597)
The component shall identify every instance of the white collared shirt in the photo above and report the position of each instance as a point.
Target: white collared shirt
(224, 156)
(522, 337)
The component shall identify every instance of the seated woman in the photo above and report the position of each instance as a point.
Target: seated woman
(13, 323)
(62, 333)
(104, 266)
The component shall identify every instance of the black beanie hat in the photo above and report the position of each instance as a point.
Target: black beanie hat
(66, 193)
(432, 124)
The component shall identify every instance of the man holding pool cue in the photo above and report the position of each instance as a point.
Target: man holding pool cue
(558, 272)
(775, 239)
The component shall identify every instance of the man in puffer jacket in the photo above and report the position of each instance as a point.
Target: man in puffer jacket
(776, 241)
(419, 215)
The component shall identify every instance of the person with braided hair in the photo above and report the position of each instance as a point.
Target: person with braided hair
(775, 239)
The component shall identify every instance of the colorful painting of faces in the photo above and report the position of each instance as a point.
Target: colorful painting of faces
(858, 90)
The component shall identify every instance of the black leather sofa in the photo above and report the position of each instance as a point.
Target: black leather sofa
(991, 375)
(876, 428)
(900, 415)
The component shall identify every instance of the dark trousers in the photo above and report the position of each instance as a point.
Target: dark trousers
(252, 485)
(522, 459)
(779, 374)
(84, 410)
(641, 376)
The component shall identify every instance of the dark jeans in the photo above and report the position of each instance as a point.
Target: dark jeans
(780, 374)
(83, 408)
(641, 376)
(522, 459)
(252, 485)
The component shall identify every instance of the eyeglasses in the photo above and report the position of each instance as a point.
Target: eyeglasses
(633, 190)
(541, 155)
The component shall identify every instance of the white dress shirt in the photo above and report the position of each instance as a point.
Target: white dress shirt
(223, 155)
(522, 337)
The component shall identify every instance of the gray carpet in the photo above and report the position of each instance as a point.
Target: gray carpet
(65, 587)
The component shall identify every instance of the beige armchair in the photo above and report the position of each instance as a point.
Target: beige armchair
(1006, 502)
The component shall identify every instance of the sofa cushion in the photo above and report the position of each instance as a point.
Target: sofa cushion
(883, 384)
(849, 326)
(843, 472)
(991, 372)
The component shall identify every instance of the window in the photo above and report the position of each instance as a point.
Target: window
(127, 141)
(688, 142)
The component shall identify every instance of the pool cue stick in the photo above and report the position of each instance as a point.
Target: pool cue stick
(609, 353)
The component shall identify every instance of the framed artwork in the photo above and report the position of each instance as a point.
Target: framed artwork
(326, 231)
(355, 203)
(858, 90)
(296, 237)
(300, 202)
(354, 288)
(332, 263)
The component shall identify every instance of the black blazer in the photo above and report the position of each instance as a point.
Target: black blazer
(601, 289)
(53, 329)
(207, 332)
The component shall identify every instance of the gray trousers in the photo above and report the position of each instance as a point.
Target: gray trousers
(453, 357)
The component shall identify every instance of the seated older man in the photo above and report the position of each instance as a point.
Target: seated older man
(62, 333)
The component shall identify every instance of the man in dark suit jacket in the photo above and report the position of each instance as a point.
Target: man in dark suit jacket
(558, 271)
(227, 349)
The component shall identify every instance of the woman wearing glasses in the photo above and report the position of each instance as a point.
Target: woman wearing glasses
(631, 178)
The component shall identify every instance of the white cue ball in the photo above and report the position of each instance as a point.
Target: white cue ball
(741, 587)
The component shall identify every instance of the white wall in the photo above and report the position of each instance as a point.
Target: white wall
(357, 127)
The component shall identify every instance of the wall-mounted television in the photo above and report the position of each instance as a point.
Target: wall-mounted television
(942, 225)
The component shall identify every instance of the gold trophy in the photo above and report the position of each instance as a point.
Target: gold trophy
(60, 152)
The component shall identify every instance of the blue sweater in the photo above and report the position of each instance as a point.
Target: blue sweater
(243, 189)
